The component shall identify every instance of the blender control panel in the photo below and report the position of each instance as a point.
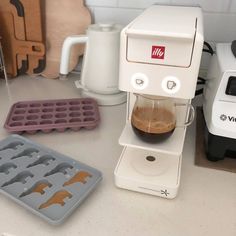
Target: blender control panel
(231, 86)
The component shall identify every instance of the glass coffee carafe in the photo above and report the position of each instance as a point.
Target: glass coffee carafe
(154, 118)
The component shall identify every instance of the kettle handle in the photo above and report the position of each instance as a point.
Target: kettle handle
(65, 52)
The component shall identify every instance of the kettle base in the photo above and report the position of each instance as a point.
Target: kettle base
(106, 99)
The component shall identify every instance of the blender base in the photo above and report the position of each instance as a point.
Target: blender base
(148, 172)
(219, 147)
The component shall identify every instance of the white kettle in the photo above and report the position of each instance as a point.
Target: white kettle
(100, 68)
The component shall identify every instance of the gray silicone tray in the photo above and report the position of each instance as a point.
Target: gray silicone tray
(32, 174)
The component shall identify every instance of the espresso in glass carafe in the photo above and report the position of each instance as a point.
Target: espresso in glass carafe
(153, 118)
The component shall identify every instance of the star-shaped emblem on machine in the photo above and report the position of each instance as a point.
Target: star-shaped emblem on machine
(165, 192)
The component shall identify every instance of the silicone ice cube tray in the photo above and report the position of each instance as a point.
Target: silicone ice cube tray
(49, 184)
(47, 115)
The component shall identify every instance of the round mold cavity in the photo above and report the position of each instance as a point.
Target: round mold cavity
(35, 105)
(61, 104)
(88, 113)
(14, 124)
(17, 118)
(89, 119)
(47, 109)
(31, 123)
(75, 114)
(32, 117)
(87, 107)
(74, 103)
(60, 115)
(47, 116)
(19, 111)
(77, 108)
(75, 120)
(46, 122)
(87, 102)
(33, 111)
(61, 109)
(48, 104)
(21, 105)
(60, 121)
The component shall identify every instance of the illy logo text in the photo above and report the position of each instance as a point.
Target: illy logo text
(158, 52)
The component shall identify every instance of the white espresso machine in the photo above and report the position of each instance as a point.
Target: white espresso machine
(159, 59)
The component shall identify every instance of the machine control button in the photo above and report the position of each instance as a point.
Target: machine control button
(139, 81)
(170, 84)
(231, 86)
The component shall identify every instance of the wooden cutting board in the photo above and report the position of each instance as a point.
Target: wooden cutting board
(26, 26)
(34, 32)
(13, 47)
(16, 9)
(62, 19)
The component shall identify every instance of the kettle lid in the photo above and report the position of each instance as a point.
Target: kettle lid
(105, 27)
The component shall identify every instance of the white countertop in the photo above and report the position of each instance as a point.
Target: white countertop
(205, 204)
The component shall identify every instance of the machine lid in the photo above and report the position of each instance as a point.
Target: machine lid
(163, 36)
(176, 22)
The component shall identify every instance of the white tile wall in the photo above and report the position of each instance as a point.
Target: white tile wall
(206, 5)
(232, 7)
(115, 15)
(220, 27)
(140, 3)
(219, 15)
(105, 3)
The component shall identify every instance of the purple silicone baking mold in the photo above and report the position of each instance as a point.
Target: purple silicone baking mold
(48, 115)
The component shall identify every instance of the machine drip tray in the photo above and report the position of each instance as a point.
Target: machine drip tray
(173, 145)
(148, 172)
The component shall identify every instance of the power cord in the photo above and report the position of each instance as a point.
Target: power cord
(202, 81)
(209, 48)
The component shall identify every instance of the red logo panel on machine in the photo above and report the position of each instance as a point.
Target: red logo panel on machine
(158, 52)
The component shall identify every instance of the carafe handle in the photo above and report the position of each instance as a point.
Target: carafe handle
(190, 114)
